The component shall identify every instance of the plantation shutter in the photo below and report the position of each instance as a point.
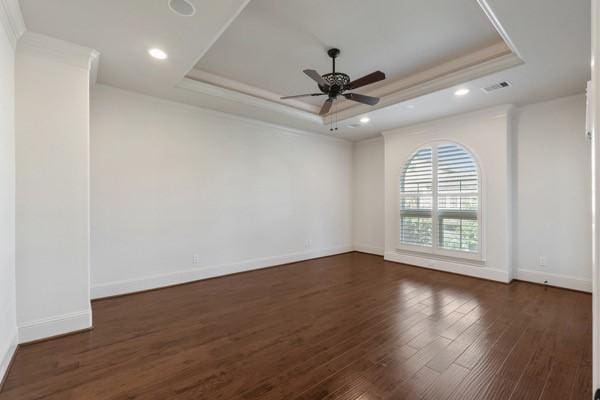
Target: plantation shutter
(439, 199)
(417, 199)
(457, 198)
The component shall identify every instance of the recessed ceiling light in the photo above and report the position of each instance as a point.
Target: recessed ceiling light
(365, 120)
(158, 54)
(182, 7)
(462, 92)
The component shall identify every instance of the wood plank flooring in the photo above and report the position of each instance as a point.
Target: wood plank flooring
(349, 327)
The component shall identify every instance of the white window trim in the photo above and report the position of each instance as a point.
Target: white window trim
(434, 249)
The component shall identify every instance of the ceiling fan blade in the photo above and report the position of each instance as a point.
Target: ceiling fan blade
(366, 80)
(361, 98)
(302, 95)
(326, 106)
(314, 75)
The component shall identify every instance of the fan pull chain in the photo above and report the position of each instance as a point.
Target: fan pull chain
(333, 122)
(336, 116)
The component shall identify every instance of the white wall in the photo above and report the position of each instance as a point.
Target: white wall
(8, 327)
(553, 194)
(52, 187)
(368, 205)
(548, 151)
(594, 114)
(171, 181)
(486, 135)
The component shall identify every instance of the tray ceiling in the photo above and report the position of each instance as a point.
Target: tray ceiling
(427, 48)
(265, 49)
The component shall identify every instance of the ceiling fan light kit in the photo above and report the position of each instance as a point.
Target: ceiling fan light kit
(336, 84)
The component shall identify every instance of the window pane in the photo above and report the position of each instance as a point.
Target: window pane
(458, 199)
(417, 199)
(459, 234)
(416, 203)
(416, 230)
(456, 170)
(458, 202)
(445, 185)
(417, 176)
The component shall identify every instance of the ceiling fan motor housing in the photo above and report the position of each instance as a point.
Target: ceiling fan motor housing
(337, 83)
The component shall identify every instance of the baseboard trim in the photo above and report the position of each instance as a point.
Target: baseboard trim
(117, 288)
(7, 358)
(454, 267)
(365, 248)
(556, 280)
(55, 326)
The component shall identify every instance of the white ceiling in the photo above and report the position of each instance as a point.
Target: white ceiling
(552, 37)
(272, 41)
(123, 30)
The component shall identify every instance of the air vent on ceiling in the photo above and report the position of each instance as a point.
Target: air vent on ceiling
(354, 126)
(496, 86)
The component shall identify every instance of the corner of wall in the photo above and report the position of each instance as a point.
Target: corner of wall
(7, 354)
(55, 325)
(551, 279)
(57, 302)
(369, 249)
(12, 27)
(511, 195)
(12, 21)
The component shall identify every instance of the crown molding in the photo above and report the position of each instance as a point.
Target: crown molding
(225, 83)
(503, 111)
(435, 84)
(233, 95)
(475, 65)
(12, 20)
(94, 65)
(468, 62)
(491, 15)
(221, 114)
(495, 58)
(61, 51)
(58, 50)
(367, 141)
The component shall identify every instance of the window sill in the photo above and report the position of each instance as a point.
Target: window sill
(440, 254)
(474, 268)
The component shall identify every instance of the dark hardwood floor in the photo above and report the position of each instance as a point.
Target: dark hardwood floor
(345, 327)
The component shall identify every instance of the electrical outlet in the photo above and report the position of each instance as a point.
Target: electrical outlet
(196, 258)
(308, 243)
(543, 261)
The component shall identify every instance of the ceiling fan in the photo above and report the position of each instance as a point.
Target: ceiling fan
(336, 84)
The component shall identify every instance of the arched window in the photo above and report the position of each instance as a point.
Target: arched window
(440, 200)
